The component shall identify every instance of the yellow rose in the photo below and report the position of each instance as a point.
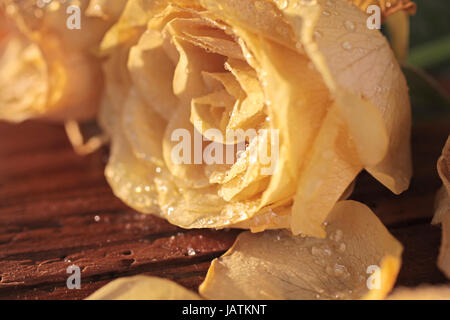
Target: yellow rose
(309, 70)
(46, 68)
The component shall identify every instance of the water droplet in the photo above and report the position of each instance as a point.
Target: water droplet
(329, 270)
(307, 2)
(38, 13)
(339, 270)
(350, 26)
(317, 34)
(54, 6)
(337, 235)
(40, 3)
(315, 251)
(11, 9)
(97, 218)
(264, 83)
(162, 189)
(346, 45)
(284, 4)
(331, 3)
(191, 252)
(259, 5)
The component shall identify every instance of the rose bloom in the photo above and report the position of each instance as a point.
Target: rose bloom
(46, 69)
(311, 70)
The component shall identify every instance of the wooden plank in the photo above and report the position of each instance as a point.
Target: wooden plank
(56, 209)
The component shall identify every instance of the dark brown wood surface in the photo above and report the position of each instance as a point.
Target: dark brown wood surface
(56, 209)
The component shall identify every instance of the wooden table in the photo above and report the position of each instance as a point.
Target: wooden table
(56, 210)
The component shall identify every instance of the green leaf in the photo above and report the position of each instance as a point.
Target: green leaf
(430, 54)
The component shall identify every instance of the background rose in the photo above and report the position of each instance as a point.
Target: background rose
(46, 69)
(311, 69)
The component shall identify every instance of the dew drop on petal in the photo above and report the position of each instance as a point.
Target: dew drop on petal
(331, 3)
(284, 4)
(315, 251)
(259, 5)
(317, 34)
(350, 26)
(339, 270)
(346, 45)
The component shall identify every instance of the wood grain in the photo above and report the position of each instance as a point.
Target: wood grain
(56, 209)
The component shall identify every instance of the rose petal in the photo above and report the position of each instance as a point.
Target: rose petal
(277, 265)
(70, 86)
(442, 213)
(131, 179)
(23, 78)
(331, 168)
(151, 71)
(145, 137)
(143, 288)
(376, 121)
